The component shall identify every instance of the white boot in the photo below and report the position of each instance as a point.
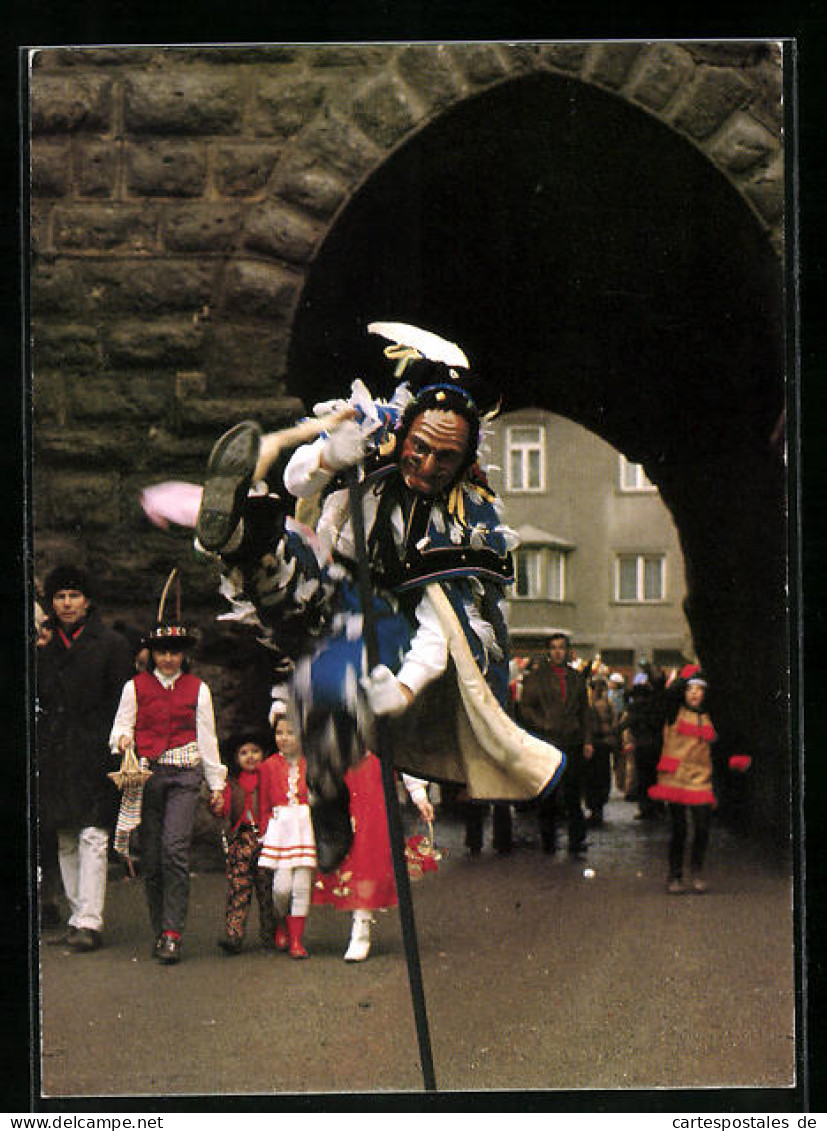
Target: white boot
(359, 947)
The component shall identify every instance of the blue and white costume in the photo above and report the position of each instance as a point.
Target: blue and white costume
(422, 550)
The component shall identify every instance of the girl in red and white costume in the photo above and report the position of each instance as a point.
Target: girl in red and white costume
(288, 846)
(167, 713)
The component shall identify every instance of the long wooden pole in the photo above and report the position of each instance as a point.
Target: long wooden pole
(400, 869)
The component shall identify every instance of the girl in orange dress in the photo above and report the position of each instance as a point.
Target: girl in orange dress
(685, 781)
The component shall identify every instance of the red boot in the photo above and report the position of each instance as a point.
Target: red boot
(295, 930)
(281, 938)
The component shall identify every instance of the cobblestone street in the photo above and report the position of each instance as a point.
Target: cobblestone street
(536, 977)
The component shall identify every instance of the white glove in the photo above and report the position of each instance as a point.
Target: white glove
(384, 692)
(344, 447)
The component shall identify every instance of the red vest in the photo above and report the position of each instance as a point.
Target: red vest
(166, 715)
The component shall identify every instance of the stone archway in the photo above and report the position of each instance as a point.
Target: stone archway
(595, 258)
(602, 289)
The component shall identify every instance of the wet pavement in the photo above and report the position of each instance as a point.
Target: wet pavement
(537, 976)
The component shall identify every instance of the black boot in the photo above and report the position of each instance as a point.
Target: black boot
(230, 471)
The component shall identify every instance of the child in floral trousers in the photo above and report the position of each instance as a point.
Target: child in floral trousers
(241, 809)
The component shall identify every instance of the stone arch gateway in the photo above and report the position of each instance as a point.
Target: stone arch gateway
(555, 232)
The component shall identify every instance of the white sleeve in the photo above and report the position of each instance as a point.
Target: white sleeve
(427, 656)
(125, 716)
(214, 770)
(303, 476)
(417, 788)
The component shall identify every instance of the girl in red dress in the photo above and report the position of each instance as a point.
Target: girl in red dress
(364, 880)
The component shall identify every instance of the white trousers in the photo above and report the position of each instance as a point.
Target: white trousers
(83, 858)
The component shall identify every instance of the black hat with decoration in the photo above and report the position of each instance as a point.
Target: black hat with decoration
(170, 633)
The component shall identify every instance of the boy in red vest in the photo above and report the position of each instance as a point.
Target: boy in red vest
(167, 713)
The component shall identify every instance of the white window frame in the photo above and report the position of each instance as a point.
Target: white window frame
(533, 557)
(524, 447)
(640, 577)
(561, 556)
(540, 574)
(633, 479)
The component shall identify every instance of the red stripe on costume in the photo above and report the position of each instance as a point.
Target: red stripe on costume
(707, 733)
(291, 853)
(740, 762)
(681, 796)
(667, 764)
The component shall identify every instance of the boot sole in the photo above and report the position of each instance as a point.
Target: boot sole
(229, 475)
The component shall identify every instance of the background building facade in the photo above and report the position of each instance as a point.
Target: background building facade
(599, 556)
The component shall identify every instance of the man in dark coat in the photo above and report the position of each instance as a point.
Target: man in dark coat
(555, 703)
(80, 675)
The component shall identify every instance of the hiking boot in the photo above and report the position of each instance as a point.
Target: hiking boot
(229, 476)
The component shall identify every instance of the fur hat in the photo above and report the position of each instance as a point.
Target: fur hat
(66, 577)
(230, 746)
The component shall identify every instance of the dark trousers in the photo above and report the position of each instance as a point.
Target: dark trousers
(598, 776)
(570, 790)
(475, 814)
(244, 875)
(167, 817)
(701, 823)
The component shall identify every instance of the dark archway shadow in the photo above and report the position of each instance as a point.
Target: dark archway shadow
(591, 261)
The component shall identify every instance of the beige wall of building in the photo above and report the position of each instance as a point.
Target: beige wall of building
(581, 513)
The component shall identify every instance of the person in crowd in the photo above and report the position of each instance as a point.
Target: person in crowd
(616, 695)
(48, 869)
(502, 833)
(555, 703)
(364, 881)
(598, 776)
(431, 523)
(685, 779)
(288, 850)
(80, 671)
(623, 762)
(166, 714)
(245, 754)
(643, 720)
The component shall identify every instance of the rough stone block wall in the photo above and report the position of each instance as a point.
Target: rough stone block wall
(144, 165)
